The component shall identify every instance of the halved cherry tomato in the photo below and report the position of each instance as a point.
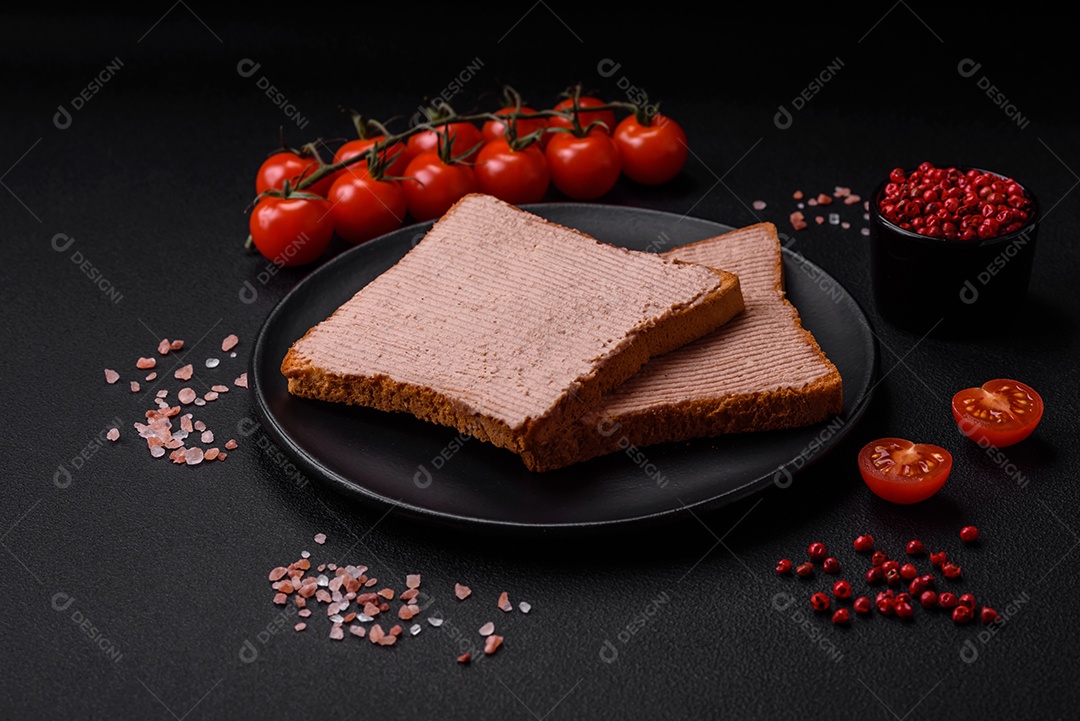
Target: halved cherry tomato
(583, 168)
(363, 207)
(585, 116)
(431, 185)
(291, 231)
(496, 129)
(516, 176)
(999, 413)
(651, 154)
(288, 165)
(904, 472)
(464, 138)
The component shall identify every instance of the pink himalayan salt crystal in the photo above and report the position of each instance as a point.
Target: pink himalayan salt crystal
(134, 386)
(113, 434)
(487, 629)
(300, 626)
(194, 456)
(157, 451)
(184, 373)
(200, 426)
(231, 445)
(211, 454)
(210, 396)
(186, 395)
(163, 347)
(207, 437)
(176, 344)
(230, 342)
(759, 205)
(462, 592)
(151, 376)
(797, 195)
(111, 376)
(220, 389)
(145, 363)
(242, 380)
(504, 602)
(185, 422)
(199, 402)
(320, 538)
(412, 580)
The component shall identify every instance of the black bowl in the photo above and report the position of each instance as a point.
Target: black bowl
(950, 287)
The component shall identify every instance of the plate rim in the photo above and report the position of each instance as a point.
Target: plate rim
(311, 465)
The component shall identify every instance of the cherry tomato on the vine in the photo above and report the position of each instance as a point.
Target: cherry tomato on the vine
(288, 165)
(516, 176)
(585, 116)
(431, 185)
(291, 231)
(397, 155)
(464, 137)
(583, 168)
(364, 208)
(496, 129)
(651, 154)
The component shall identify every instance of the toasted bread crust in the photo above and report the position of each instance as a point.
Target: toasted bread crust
(672, 330)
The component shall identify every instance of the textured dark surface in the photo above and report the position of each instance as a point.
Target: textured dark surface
(165, 567)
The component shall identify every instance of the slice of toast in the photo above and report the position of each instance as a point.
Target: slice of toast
(506, 326)
(762, 371)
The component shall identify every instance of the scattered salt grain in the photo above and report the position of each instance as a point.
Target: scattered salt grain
(113, 434)
(834, 219)
(163, 347)
(797, 195)
(207, 437)
(337, 633)
(111, 376)
(504, 602)
(134, 386)
(358, 631)
(210, 396)
(525, 607)
(183, 373)
(464, 658)
(435, 621)
(415, 629)
(852, 200)
(819, 219)
(151, 376)
(233, 354)
(220, 389)
(199, 402)
(194, 456)
(211, 454)
(162, 393)
(186, 395)
(241, 381)
(157, 451)
(864, 231)
(231, 445)
(413, 580)
(176, 344)
(823, 199)
(212, 362)
(145, 363)
(492, 644)
(759, 205)
(487, 629)
(229, 343)
(462, 592)
(320, 538)
(845, 225)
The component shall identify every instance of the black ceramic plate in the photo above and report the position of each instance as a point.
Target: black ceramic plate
(431, 472)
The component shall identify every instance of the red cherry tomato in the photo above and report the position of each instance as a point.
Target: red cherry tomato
(463, 136)
(583, 168)
(585, 116)
(516, 176)
(396, 155)
(431, 186)
(999, 413)
(496, 129)
(364, 208)
(651, 154)
(291, 231)
(904, 472)
(287, 165)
